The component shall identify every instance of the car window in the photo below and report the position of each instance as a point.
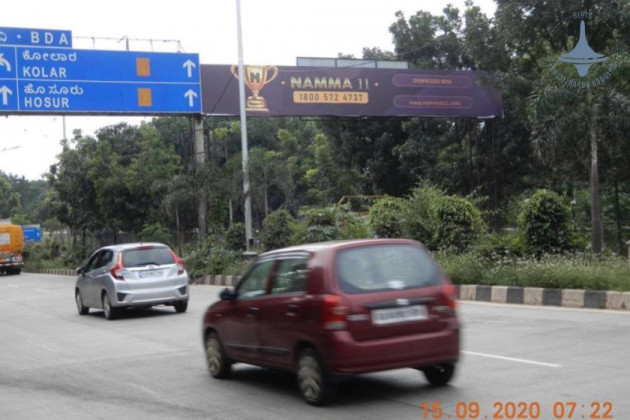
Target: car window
(105, 258)
(93, 262)
(290, 276)
(145, 256)
(255, 284)
(385, 267)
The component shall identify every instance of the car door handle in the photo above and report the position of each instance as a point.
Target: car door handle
(292, 308)
(252, 310)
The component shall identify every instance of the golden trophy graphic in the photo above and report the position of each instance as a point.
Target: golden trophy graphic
(256, 77)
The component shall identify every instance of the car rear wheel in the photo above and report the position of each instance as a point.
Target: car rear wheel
(83, 310)
(439, 375)
(181, 306)
(219, 365)
(312, 378)
(110, 312)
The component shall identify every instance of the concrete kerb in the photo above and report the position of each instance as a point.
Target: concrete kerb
(498, 294)
(539, 296)
(617, 300)
(572, 298)
(533, 295)
(213, 280)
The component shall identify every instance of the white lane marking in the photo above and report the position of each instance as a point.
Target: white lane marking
(511, 359)
(146, 390)
(43, 290)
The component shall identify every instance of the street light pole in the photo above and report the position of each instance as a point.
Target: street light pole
(241, 90)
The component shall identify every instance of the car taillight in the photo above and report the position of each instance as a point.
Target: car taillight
(451, 295)
(334, 313)
(115, 271)
(180, 264)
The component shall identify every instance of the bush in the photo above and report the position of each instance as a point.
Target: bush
(544, 223)
(212, 257)
(235, 237)
(74, 255)
(321, 217)
(156, 233)
(421, 223)
(278, 228)
(458, 223)
(319, 225)
(492, 246)
(354, 226)
(388, 217)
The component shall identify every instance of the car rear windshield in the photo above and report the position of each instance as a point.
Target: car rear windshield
(146, 256)
(385, 267)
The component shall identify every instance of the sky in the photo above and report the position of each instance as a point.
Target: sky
(274, 32)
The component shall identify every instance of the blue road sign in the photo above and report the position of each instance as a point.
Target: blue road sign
(36, 37)
(140, 98)
(32, 233)
(49, 80)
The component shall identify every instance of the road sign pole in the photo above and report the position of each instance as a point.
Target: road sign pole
(200, 159)
(63, 121)
(241, 90)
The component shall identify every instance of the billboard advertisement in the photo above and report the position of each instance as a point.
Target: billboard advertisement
(348, 91)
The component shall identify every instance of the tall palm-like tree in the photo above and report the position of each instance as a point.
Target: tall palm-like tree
(570, 125)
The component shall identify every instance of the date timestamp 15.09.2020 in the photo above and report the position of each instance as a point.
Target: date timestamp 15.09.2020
(513, 410)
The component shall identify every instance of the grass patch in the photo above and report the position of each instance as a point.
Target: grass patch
(580, 271)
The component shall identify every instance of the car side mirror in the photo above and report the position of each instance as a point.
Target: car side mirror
(227, 294)
(80, 271)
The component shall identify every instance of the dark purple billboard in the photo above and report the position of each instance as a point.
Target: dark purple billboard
(348, 91)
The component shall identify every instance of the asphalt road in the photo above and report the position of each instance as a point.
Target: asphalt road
(55, 364)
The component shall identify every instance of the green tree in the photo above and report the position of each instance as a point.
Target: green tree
(72, 198)
(571, 125)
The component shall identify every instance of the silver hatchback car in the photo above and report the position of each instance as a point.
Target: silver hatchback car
(131, 275)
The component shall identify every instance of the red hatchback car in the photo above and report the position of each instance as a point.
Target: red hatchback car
(333, 308)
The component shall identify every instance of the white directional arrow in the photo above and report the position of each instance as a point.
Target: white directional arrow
(4, 62)
(5, 92)
(191, 95)
(189, 65)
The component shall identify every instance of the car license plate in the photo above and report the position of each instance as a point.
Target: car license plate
(394, 315)
(150, 274)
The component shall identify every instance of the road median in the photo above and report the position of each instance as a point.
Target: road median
(537, 296)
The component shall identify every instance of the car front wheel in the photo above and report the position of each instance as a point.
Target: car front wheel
(219, 365)
(83, 310)
(312, 378)
(439, 375)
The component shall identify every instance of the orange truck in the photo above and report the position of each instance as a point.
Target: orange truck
(11, 244)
